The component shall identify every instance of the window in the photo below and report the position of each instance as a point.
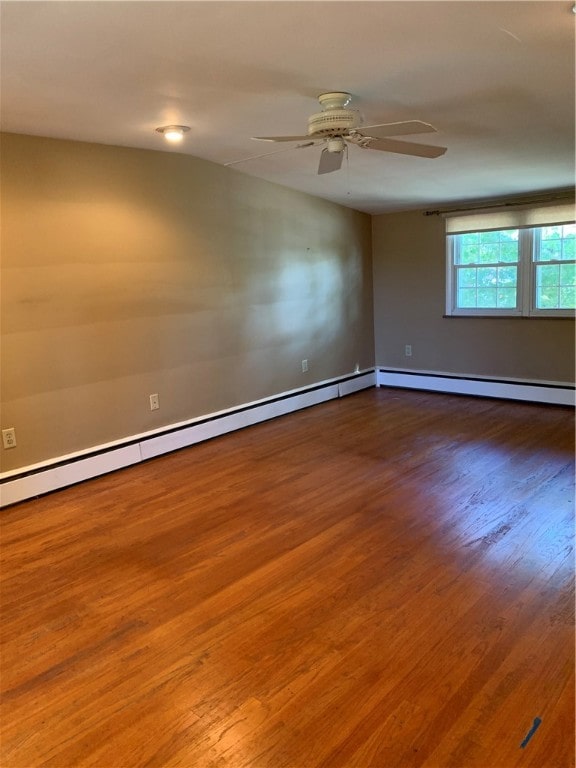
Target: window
(486, 270)
(555, 265)
(512, 270)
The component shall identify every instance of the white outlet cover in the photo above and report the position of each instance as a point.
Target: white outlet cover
(154, 402)
(9, 437)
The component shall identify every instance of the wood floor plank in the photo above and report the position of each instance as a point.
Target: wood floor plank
(381, 581)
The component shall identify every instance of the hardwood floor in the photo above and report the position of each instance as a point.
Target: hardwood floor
(382, 581)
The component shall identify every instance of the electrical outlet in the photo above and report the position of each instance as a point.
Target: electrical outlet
(304, 366)
(154, 402)
(408, 350)
(9, 438)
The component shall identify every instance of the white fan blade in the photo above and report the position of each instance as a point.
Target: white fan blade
(267, 154)
(403, 128)
(280, 138)
(404, 147)
(330, 161)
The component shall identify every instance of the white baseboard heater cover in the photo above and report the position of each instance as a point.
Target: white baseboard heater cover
(28, 482)
(553, 393)
(36, 480)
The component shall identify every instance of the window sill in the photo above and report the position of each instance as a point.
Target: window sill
(509, 317)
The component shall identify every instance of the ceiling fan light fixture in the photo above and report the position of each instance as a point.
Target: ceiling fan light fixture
(173, 133)
(335, 144)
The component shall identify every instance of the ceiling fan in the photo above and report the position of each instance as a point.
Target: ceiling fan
(336, 125)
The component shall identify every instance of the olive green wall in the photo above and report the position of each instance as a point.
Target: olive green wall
(409, 256)
(129, 272)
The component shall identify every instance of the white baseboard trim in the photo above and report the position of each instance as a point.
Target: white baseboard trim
(36, 480)
(553, 393)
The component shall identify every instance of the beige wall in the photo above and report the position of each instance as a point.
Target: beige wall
(128, 272)
(409, 288)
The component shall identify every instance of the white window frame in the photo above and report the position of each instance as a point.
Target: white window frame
(451, 282)
(528, 241)
(532, 309)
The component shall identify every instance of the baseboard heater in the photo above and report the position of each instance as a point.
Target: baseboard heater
(553, 393)
(36, 480)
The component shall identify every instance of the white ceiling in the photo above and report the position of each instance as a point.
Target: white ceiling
(495, 78)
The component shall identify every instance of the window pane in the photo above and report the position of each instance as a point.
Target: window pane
(469, 254)
(487, 276)
(467, 278)
(490, 237)
(557, 243)
(568, 241)
(509, 252)
(567, 298)
(506, 298)
(507, 276)
(467, 298)
(487, 298)
(568, 274)
(556, 286)
(550, 250)
(547, 298)
(548, 275)
(551, 232)
(487, 287)
(567, 286)
(569, 248)
(487, 247)
(489, 253)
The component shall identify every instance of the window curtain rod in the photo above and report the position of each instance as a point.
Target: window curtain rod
(504, 204)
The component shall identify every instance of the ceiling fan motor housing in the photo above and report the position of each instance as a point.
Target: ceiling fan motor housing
(332, 122)
(335, 120)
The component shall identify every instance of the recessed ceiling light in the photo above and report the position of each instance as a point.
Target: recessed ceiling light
(173, 133)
